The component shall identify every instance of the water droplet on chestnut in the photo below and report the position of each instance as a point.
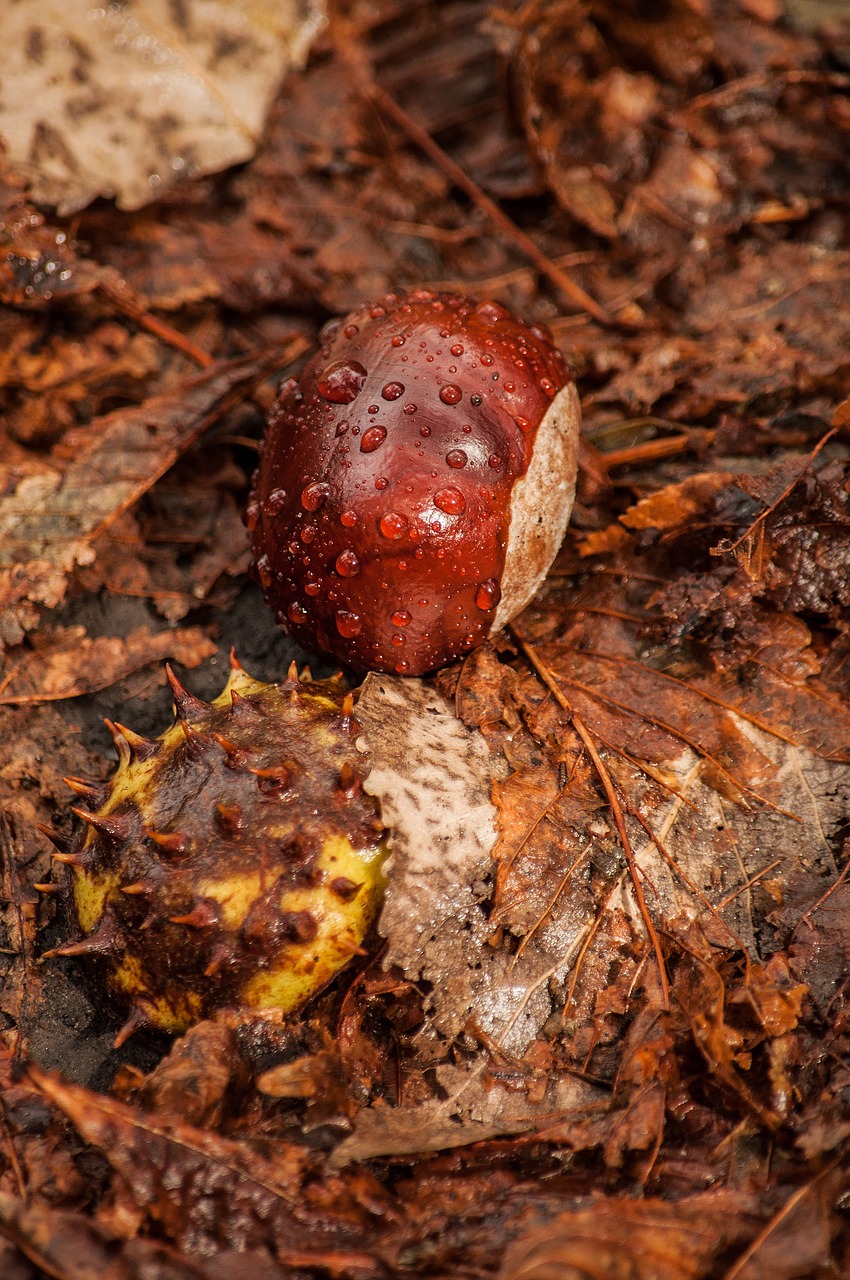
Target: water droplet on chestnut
(450, 500)
(488, 594)
(394, 525)
(264, 571)
(348, 624)
(315, 495)
(492, 312)
(347, 564)
(342, 382)
(372, 439)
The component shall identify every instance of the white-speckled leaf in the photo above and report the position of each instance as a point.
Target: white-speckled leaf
(434, 778)
(128, 98)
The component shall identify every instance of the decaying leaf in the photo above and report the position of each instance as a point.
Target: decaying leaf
(66, 663)
(129, 99)
(652, 1240)
(48, 520)
(434, 779)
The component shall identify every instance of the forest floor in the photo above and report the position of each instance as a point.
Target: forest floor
(647, 1077)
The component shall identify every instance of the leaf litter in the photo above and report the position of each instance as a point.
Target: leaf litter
(602, 1024)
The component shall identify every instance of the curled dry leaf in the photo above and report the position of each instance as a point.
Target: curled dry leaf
(172, 1170)
(77, 1247)
(653, 1240)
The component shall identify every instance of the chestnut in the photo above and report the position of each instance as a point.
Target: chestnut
(415, 481)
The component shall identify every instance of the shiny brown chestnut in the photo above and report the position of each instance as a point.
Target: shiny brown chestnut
(415, 482)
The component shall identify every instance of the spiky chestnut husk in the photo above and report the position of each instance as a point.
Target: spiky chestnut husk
(235, 860)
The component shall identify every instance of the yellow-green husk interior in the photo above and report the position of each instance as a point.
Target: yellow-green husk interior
(235, 860)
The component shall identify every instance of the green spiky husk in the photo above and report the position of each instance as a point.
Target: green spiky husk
(235, 860)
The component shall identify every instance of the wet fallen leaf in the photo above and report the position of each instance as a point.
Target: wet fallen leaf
(66, 663)
(49, 520)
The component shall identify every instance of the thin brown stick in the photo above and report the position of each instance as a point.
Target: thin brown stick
(779, 1217)
(647, 770)
(683, 737)
(11, 1151)
(652, 450)
(724, 548)
(614, 802)
(748, 884)
(551, 907)
(128, 301)
(453, 171)
(804, 919)
(618, 660)
(507, 867)
(695, 889)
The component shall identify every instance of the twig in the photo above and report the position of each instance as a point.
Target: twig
(551, 907)
(614, 802)
(128, 301)
(453, 171)
(804, 919)
(619, 660)
(748, 884)
(781, 1214)
(724, 548)
(683, 737)
(652, 450)
(11, 1151)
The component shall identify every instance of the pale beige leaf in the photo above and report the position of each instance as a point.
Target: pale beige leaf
(128, 99)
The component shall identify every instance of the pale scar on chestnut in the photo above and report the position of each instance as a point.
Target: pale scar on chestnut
(233, 861)
(415, 482)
